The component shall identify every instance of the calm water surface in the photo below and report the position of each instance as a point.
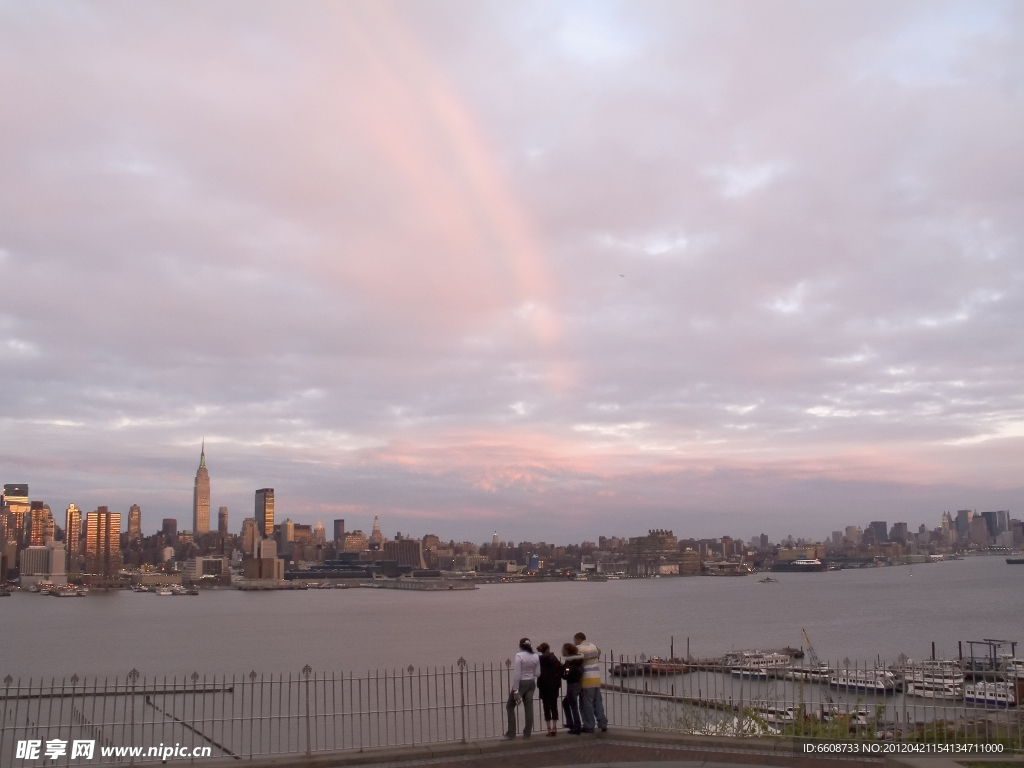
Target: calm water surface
(858, 614)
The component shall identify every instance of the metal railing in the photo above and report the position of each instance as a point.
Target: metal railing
(140, 719)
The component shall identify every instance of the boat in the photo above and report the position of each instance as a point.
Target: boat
(934, 690)
(934, 673)
(66, 591)
(802, 565)
(82, 591)
(195, 591)
(768, 580)
(877, 680)
(755, 664)
(818, 674)
(140, 588)
(660, 666)
(999, 695)
(163, 592)
(1015, 561)
(776, 715)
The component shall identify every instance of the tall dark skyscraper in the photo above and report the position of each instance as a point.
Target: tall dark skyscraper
(201, 497)
(339, 530)
(134, 522)
(169, 528)
(222, 521)
(265, 511)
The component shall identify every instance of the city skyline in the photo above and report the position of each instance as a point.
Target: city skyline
(542, 268)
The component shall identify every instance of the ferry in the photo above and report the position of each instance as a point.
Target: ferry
(768, 580)
(999, 695)
(66, 591)
(755, 664)
(934, 690)
(818, 674)
(939, 675)
(163, 591)
(660, 666)
(877, 680)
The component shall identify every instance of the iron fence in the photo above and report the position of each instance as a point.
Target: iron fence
(140, 719)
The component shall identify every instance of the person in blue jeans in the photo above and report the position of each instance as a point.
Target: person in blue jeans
(524, 683)
(573, 674)
(591, 706)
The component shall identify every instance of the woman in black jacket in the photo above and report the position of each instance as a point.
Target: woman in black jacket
(549, 686)
(572, 671)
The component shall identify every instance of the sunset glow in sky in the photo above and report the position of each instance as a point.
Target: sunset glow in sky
(556, 269)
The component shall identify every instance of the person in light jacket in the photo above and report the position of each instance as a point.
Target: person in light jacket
(524, 683)
(591, 706)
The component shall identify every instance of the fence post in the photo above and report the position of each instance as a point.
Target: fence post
(462, 695)
(133, 676)
(306, 670)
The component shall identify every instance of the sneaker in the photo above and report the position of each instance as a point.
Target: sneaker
(604, 729)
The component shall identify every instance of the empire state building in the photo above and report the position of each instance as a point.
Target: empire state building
(201, 497)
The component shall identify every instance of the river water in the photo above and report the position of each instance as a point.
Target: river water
(857, 614)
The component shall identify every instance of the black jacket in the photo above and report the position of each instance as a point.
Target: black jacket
(550, 673)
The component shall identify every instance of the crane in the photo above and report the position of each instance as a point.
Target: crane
(816, 664)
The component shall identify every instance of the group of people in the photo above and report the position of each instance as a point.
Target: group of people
(543, 672)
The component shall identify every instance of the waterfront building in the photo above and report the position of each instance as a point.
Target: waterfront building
(198, 567)
(103, 543)
(43, 564)
(169, 528)
(222, 521)
(265, 512)
(134, 523)
(265, 563)
(73, 535)
(201, 496)
(250, 532)
(376, 537)
(405, 552)
(339, 531)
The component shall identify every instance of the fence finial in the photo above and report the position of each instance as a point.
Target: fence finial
(8, 680)
(462, 663)
(134, 675)
(306, 670)
(195, 677)
(252, 675)
(75, 679)
(410, 669)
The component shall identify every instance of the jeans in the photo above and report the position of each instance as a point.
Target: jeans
(571, 707)
(526, 689)
(592, 709)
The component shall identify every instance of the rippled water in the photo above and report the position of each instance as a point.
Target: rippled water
(858, 614)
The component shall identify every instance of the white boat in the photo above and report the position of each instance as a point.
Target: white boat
(1014, 668)
(777, 715)
(877, 680)
(998, 695)
(934, 690)
(755, 664)
(818, 674)
(164, 592)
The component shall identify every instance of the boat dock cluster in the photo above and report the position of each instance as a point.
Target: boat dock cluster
(995, 680)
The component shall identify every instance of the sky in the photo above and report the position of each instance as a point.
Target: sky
(551, 269)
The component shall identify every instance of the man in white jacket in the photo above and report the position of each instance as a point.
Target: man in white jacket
(524, 683)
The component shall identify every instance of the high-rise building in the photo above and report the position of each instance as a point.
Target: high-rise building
(41, 527)
(201, 497)
(339, 531)
(103, 543)
(319, 534)
(265, 512)
(376, 538)
(963, 522)
(879, 530)
(405, 552)
(287, 530)
(222, 521)
(16, 493)
(250, 533)
(169, 528)
(72, 535)
(355, 541)
(134, 522)
(495, 540)
(899, 533)
(979, 533)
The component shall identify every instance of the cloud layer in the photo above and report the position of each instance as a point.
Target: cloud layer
(557, 269)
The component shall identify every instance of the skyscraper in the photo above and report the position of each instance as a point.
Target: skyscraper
(169, 528)
(339, 530)
(250, 532)
(222, 521)
(376, 537)
(201, 497)
(265, 511)
(103, 543)
(134, 522)
(40, 524)
(72, 534)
